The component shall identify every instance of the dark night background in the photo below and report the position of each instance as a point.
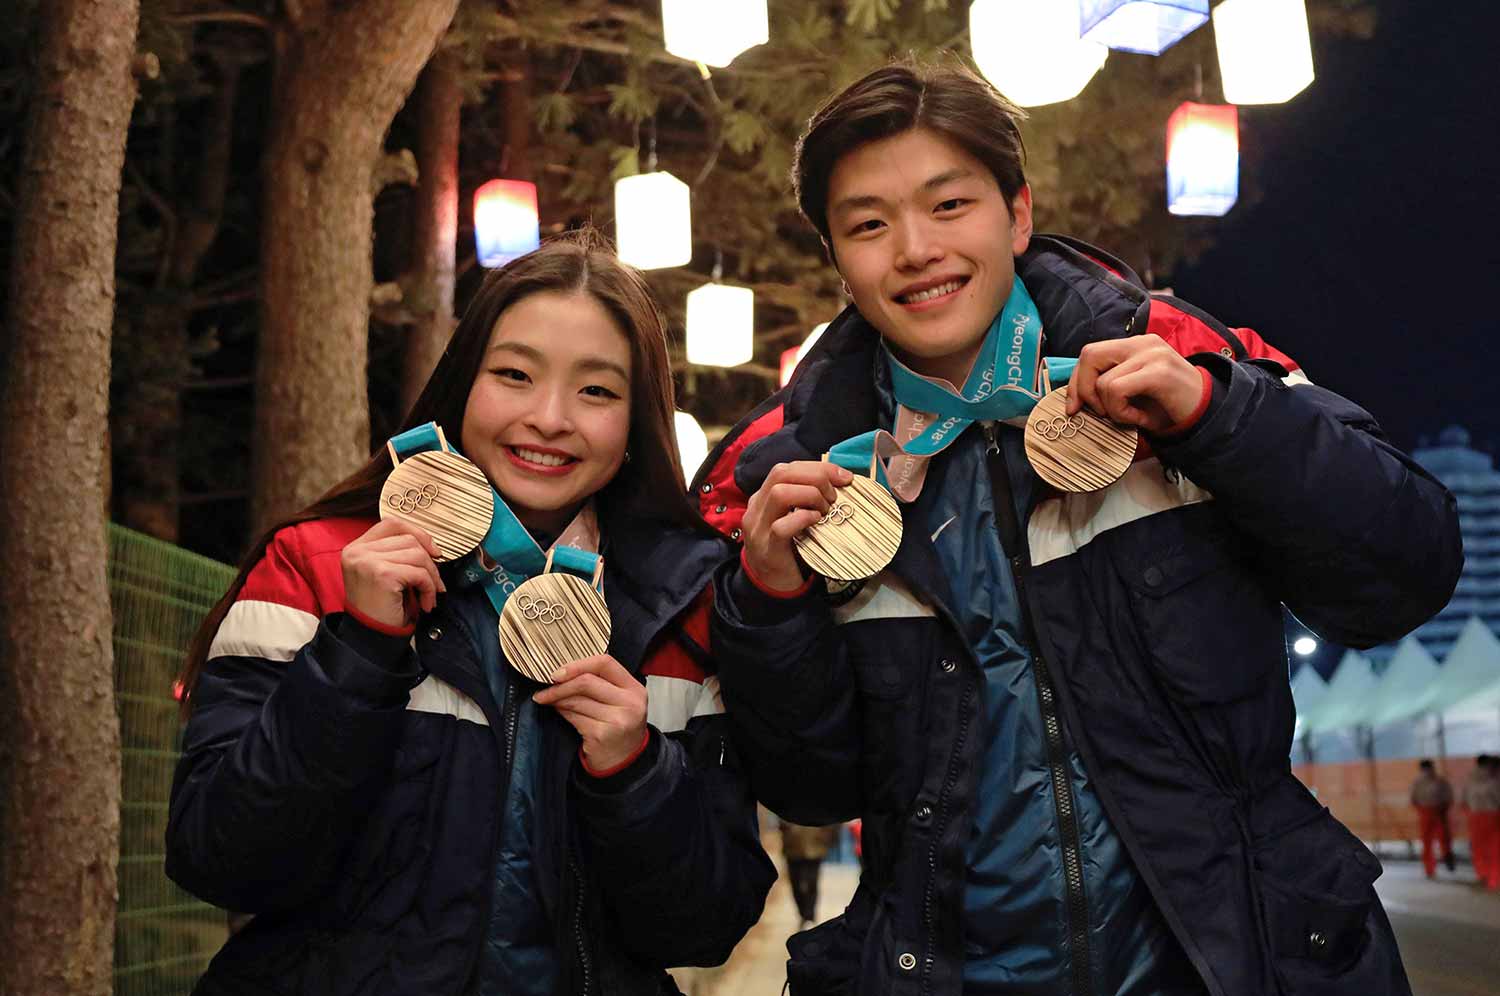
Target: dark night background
(1371, 258)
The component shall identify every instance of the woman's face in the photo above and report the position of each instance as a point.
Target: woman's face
(548, 416)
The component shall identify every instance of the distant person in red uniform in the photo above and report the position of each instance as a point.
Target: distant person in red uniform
(1432, 797)
(1482, 797)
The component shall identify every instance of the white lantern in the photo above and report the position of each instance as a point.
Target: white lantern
(1149, 27)
(1265, 51)
(713, 32)
(720, 325)
(1030, 49)
(653, 221)
(692, 444)
(791, 357)
(1203, 159)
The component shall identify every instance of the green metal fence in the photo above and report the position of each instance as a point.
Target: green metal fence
(159, 593)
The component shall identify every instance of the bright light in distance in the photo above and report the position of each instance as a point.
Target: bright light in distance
(1305, 645)
(692, 444)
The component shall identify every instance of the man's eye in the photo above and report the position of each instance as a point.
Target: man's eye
(952, 204)
(868, 225)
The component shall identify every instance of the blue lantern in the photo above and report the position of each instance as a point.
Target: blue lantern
(1149, 27)
(1203, 159)
(506, 222)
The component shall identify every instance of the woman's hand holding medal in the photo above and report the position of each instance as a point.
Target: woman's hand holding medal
(1138, 380)
(793, 497)
(390, 576)
(604, 703)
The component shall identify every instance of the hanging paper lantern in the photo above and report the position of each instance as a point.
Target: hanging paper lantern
(505, 221)
(692, 444)
(1203, 159)
(720, 325)
(1146, 26)
(713, 32)
(793, 356)
(1030, 49)
(1265, 51)
(653, 221)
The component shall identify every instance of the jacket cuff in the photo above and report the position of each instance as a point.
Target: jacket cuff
(779, 593)
(616, 769)
(373, 665)
(1205, 398)
(622, 777)
(752, 605)
(1216, 372)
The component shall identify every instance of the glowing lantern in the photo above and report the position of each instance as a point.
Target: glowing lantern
(793, 356)
(505, 221)
(692, 444)
(720, 325)
(1031, 51)
(653, 221)
(1203, 159)
(713, 32)
(1265, 52)
(1146, 26)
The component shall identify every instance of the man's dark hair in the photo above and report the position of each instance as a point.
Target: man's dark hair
(949, 99)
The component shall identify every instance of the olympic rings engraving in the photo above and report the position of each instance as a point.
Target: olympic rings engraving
(413, 498)
(539, 609)
(839, 514)
(1058, 427)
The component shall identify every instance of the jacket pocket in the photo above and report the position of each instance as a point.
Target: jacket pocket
(1207, 625)
(1322, 918)
(824, 960)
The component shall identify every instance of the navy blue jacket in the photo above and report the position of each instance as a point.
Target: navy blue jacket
(345, 787)
(1154, 610)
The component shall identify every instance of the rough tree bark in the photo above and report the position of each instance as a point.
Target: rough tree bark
(59, 735)
(342, 71)
(429, 285)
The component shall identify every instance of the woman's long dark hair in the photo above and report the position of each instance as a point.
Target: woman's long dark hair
(648, 486)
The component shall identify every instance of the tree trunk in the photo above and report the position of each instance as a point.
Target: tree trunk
(342, 72)
(154, 361)
(429, 287)
(59, 734)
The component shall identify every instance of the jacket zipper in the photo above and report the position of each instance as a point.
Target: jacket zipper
(940, 826)
(1064, 804)
(578, 940)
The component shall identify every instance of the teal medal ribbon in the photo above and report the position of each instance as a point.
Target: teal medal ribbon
(507, 556)
(1007, 380)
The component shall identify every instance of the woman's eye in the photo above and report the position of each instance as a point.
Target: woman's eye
(510, 373)
(599, 391)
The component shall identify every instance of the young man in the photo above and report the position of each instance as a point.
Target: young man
(1064, 718)
(1432, 797)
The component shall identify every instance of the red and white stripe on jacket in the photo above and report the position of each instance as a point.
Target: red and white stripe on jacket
(300, 580)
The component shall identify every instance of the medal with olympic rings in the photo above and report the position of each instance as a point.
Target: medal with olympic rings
(858, 536)
(554, 619)
(441, 492)
(1076, 453)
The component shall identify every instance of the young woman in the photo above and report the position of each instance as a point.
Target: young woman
(400, 810)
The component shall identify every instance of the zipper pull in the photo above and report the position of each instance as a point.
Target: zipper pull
(992, 444)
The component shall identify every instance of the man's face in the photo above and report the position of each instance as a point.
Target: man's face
(923, 237)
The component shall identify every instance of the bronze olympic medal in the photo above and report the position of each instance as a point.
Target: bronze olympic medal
(858, 536)
(444, 494)
(552, 620)
(1076, 453)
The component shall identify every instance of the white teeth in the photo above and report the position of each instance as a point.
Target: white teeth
(545, 459)
(932, 292)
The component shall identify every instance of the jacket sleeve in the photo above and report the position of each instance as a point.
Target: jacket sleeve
(293, 720)
(789, 691)
(675, 837)
(1354, 536)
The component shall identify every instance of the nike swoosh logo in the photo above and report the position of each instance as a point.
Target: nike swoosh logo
(942, 527)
